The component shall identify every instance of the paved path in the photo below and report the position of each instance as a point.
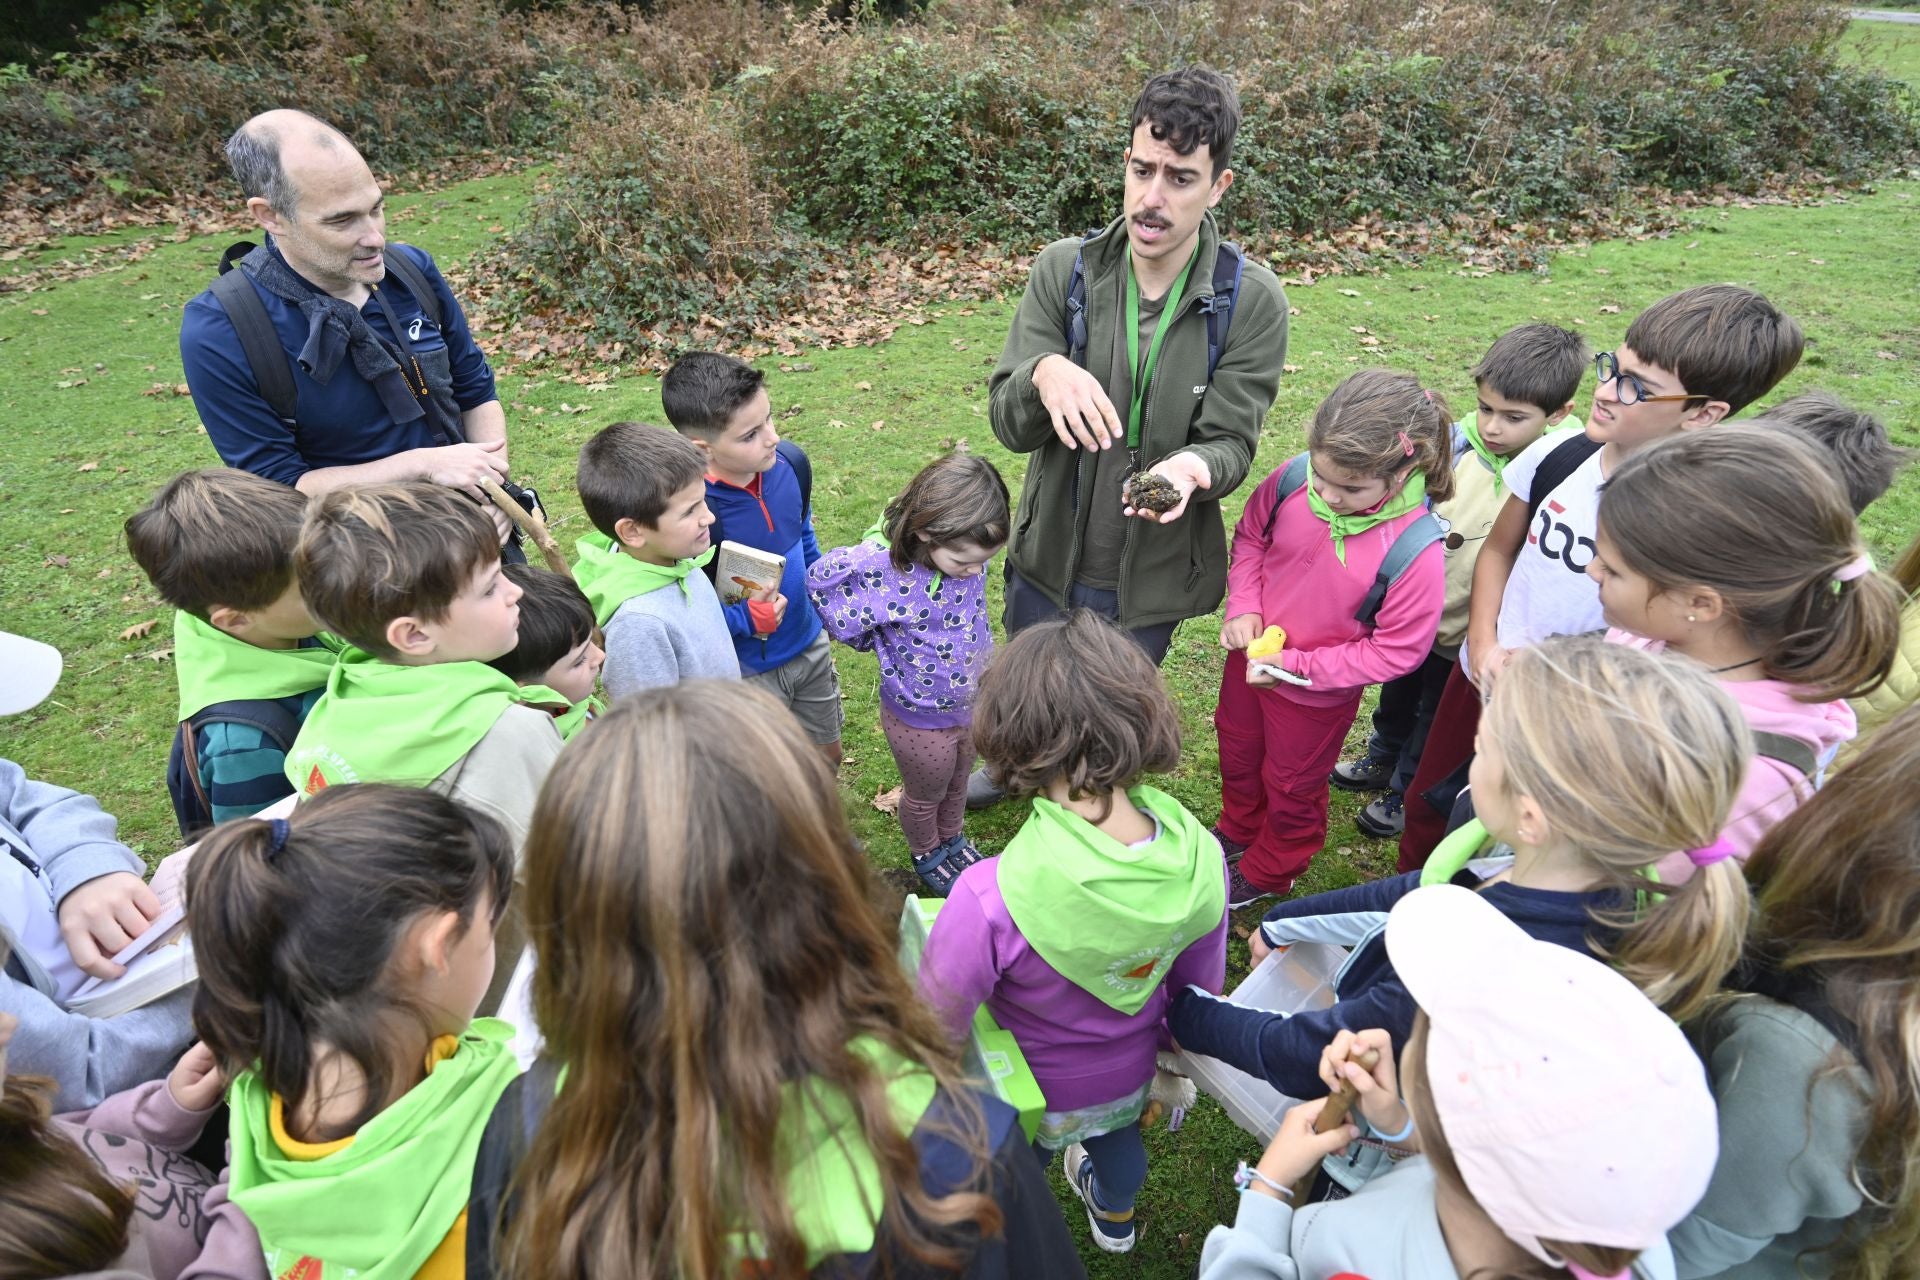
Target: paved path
(1910, 17)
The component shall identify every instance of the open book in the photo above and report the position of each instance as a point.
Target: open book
(739, 569)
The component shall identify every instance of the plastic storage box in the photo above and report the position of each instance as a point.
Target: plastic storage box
(1289, 981)
(990, 1055)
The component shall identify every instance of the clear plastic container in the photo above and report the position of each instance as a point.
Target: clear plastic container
(990, 1055)
(1289, 981)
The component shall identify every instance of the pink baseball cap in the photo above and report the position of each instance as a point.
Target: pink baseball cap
(1575, 1109)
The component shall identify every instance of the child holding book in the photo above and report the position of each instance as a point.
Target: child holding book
(1737, 549)
(555, 649)
(759, 491)
(1542, 1148)
(1687, 362)
(790, 1107)
(218, 546)
(1524, 385)
(342, 954)
(913, 593)
(645, 491)
(1317, 562)
(1110, 896)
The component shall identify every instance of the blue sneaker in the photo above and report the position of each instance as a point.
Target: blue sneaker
(1112, 1231)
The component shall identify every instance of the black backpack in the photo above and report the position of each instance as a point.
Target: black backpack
(803, 471)
(272, 368)
(191, 807)
(1406, 548)
(1562, 461)
(1228, 263)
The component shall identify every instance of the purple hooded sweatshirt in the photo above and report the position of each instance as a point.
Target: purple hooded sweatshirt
(929, 631)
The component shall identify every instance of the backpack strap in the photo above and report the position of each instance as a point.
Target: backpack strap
(1076, 331)
(802, 469)
(1795, 753)
(415, 281)
(1218, 309)
(1563, 461)
(259, 343)
(192, 806)
(1292, 477)
(1406, 548)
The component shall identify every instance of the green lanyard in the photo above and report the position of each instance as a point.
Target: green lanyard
(1141, 377)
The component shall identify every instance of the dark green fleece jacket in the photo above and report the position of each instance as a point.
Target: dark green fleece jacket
(1167, 572)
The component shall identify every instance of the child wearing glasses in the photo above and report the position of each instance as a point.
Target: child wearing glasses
(1686, 362)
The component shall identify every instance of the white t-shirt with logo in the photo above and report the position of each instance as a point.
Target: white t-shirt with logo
(1549, 592)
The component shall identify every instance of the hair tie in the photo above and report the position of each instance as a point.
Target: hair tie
(1579, 1272)
(1406, 443)
(1428, 393)
(1858, 567)
(1719, 851)
(278, 840)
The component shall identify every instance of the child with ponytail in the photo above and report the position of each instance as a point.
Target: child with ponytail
(342, 952)
(750, 1086)
(1595, 761)
(1814, 1051)
(1736, 547)
(1554, 1124)
(1338, 551)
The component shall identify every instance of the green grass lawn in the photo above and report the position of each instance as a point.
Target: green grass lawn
(87, 370)
(1892, 48)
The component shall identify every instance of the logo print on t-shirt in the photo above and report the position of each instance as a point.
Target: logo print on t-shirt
(1558, 541)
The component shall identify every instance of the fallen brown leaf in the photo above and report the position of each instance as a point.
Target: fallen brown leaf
(139, 630)
(58, 561)
(888, 801)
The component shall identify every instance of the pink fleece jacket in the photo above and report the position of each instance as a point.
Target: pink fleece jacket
(1771, 789)
(1295, 581)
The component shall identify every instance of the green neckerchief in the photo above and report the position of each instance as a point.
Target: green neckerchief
(877, 532)
(213, 666)
(1109, 919)
(1136, 376)
(610, 577)
(833, 1185)
(1497, 463)
(1411, 495)
(1452, 854)
(378, 1208)
(383, 722)
(575, 717)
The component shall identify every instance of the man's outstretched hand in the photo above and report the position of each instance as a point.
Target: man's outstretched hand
(1083, 416)
(1186, 472)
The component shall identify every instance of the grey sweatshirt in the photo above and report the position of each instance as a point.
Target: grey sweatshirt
(52, 841)
(669, 635)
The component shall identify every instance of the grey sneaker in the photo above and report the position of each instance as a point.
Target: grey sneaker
(1112, 1231)
(1384, 818)
(982, 791)
(1369, 773)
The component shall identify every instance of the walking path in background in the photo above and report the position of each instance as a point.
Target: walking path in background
(1908, 16)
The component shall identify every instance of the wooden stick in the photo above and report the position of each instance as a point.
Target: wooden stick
(530, 524)
(1331, 1116)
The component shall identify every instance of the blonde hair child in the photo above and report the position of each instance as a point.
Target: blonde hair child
(1595, 761)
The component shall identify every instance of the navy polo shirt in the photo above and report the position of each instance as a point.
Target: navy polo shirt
(341, 423)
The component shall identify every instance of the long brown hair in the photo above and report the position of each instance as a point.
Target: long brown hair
(706, 944)
(958, 497)
(1380, 422)
(1630, 756)
(294, 942)
(1602, 1260)
(1756, 514)
(60, 1214)
(1838, 888)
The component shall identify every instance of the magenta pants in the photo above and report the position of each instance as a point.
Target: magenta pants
(934, 764)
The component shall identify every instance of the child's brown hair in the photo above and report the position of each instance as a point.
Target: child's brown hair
(739, 942)
(1864, 459)
(704, 389)
(957, 497)
(1722, 341)
(630, 471)
(1837, 885)
(370, 555)
(1757, 515)
(555, 619)
(1536, 364)
(218, 537)
(60, 1214)
(295, 933)
(1074, 698)
(1381, 423)
(1631, 756)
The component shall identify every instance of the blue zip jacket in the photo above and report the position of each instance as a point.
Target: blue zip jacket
(1285, 1051)
(769, 516)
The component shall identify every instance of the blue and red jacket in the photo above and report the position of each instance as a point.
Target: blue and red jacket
(769, 514)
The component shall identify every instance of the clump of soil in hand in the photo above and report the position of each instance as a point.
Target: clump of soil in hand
(1146, 491)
